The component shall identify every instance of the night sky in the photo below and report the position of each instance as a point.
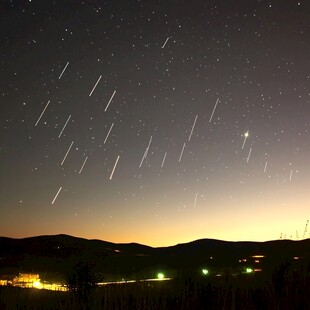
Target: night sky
(156, 122)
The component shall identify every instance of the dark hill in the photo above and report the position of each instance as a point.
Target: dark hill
(57, 254)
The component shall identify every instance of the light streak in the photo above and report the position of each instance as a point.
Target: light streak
(162, 164)
(247, 160)
(63, 70)
(42, 113)
(265, 167)
(110, 101)
(217, 101)
(142, 160)
(195, 200)
(114, 167)
(67, 153)
(95, 85)
(106, 138)
(291, 174)
(148, 147)
(64, 126)
(165, 43)
(182, 152)
(245, 137)
(83, 165)
(190, 135)
(60, 188)
(146, 152)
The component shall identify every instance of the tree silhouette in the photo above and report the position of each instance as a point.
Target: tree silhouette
(81, 279)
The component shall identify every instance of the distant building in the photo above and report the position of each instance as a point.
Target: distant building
(27, 280)
(3, 282)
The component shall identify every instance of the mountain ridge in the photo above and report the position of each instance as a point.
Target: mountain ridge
(56, 254)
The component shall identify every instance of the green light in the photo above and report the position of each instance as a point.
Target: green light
(205, 271)
(160, 276)
(248, 270)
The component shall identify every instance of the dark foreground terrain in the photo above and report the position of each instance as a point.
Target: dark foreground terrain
(53, 256)
(285, 289)
(239, 275)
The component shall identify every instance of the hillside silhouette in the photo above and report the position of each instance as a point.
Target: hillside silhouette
(54, 255)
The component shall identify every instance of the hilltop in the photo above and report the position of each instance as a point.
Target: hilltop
(54, 255)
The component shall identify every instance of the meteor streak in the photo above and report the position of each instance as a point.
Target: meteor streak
(165, 43)
(217, 101)
(114, 167)
(190, 135)
(245, 137)
(60, 188)
(67, 153)
(63, 70)
(109, 101)
(95, 85)
(42, 113)
(182, 152)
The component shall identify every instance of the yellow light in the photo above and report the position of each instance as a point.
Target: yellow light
(258, 256)
(37, 284)
(160, 276)
(246, 134)
(205, 271)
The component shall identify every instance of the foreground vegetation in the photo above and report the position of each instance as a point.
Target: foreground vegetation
(285, 288)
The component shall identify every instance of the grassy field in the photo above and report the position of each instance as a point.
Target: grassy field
(282, 291)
